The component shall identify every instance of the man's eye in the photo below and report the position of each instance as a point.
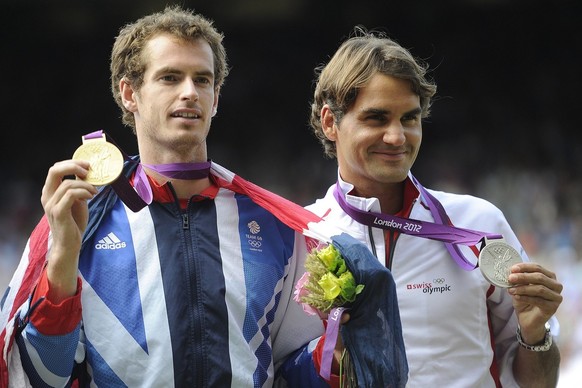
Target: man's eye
(168, 78)
(202, 80)
(377, 118)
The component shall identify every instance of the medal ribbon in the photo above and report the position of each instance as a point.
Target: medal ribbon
(442, 230)
(331, 334)
(169, 170)
(142, 195)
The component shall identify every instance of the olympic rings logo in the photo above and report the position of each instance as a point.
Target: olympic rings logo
(255, 243)
(439, 281)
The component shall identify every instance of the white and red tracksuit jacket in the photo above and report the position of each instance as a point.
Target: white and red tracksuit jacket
(459, 330)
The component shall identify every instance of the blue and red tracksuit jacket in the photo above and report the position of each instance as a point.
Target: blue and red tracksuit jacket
(200, 296)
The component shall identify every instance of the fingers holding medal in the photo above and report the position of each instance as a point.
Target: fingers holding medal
(105, 160)
(495, 261)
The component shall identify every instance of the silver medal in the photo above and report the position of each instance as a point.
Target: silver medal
(495, 260)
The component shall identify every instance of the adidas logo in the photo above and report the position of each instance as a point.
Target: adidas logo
(110, 242)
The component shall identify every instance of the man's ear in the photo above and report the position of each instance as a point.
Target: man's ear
(328, 124)
(127, 95)
(215, 102)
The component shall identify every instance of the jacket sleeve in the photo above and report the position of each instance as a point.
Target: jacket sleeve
(48, 336)
(300, 370)
(503, 318)
(38, 337)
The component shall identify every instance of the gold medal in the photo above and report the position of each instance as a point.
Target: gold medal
(495, 261)
(105, 159)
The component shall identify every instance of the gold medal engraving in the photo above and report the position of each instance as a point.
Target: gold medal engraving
(106, 161)
(495, 261)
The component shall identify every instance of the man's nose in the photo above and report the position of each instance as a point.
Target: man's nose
(394, 134)
(189, 91)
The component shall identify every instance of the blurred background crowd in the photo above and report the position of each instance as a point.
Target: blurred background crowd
(503, 126)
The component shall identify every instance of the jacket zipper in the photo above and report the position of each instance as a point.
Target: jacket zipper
(193, 286)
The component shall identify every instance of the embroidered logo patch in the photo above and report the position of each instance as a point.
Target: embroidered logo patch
(254, 239)
(437, 286)
(111, 241)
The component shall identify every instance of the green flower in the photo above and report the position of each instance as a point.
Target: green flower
(349, 290)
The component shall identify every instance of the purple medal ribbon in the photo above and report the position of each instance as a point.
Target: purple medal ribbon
(442, 230)
(141, 195)
(331, 333)
(169, 170)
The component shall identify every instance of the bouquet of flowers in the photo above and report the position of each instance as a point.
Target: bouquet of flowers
(328, 285)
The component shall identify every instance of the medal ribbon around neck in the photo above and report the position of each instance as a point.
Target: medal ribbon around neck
(442, 230)
(141, 195)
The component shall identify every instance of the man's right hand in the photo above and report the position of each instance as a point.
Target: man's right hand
(65, 205)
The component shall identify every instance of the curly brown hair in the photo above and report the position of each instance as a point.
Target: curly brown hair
(128, 62)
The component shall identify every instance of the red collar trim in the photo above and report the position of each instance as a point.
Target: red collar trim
(410, 194)
(163, 194)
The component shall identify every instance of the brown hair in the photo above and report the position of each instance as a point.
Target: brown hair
(127, 60)
(355, 62)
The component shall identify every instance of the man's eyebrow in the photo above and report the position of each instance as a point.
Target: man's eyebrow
(375, 111)
(167, 70)
(207, 73)
(414, 112)
(173, 70)
(380, 111)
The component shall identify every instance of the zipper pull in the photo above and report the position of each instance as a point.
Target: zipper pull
(185, 221)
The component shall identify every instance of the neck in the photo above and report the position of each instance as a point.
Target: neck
(187, 179)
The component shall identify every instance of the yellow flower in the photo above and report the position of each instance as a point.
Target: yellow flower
(327, 283)
(332, 259)
(330, 285)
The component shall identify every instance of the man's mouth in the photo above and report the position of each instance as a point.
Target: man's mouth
(186, 115)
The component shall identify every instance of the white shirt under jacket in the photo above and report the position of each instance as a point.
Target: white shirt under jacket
(459, 330)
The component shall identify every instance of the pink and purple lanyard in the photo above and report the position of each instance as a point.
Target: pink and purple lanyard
(142, 195)
(441, 230)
